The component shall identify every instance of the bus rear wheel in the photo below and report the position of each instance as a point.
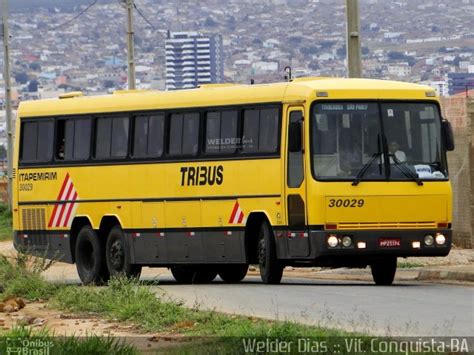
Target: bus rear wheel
(118, 255)
(383, 271)
(90, 258)
(271, 270)
(233, 273)
(193, 274)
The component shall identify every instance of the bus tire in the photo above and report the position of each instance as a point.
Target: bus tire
(90, 258)
(193, 275)
(383, 271)
(233, 273)
(271, 270)
(117, 255)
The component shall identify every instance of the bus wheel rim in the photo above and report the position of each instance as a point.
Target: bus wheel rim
(117, 255)
(262, 252)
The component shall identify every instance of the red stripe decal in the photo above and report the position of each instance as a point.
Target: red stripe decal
(50, 224)
(71, 206)
(241, 217)
(63, 207)
(234, 211)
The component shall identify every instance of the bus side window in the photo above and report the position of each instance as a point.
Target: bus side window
(148, 136)
(60, 139)
(268, 133)
(112, 137)
(77, 138)
(37, 141)
(29, 140)
(184, 134)
(102, 137)
(260, 130)
(119, 144)
(221, 132)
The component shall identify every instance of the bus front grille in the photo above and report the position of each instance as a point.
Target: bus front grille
(387, 225)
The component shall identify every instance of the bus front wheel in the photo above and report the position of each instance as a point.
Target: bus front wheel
(233, 273)
(90, 258)
(271, 270)
(118, 255)
(383, 271)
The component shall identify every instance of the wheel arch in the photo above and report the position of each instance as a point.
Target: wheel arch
(252, 227)
(106, 224)
(77, 224)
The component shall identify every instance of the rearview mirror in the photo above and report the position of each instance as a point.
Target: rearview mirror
(448, 135)
(295, 139)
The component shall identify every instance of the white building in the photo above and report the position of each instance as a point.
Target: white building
(400, 69)
(193, 59)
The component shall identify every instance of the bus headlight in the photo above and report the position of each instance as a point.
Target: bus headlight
(333, 241)
(429, 240)
(440, 239)
(346, 241)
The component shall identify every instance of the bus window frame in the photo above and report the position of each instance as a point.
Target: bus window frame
(71, 118)
(20, 148)
(165, 158)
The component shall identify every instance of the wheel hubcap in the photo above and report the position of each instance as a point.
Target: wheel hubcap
(261, 252)
(117, 256)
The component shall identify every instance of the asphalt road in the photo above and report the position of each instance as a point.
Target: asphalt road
(405, 309)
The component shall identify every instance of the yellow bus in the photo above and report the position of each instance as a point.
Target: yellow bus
(314, 172)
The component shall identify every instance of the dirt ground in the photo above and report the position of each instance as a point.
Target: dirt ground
(38, 315)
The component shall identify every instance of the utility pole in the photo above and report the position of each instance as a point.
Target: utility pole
(129, 4)
(8, 98)
(354, 62)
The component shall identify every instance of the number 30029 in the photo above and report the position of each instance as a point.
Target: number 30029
(352, 203)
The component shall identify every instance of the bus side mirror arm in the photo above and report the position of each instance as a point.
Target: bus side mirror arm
(295, 140)
(448, 135)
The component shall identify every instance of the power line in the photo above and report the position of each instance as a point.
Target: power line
(144, 17)
(76, 16)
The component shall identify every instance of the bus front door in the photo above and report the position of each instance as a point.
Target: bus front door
(295, 187)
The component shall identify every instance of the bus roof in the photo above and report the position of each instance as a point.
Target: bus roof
(300, 89)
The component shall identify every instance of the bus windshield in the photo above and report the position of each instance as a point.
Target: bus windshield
(350, 137)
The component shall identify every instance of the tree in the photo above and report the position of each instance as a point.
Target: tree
(231, 23)
(21, 78)
(327, 44)
(33, 86)
(309, 50)
(210, 22)
(393, 55)
(35, 66)
(295, 40)
(108, 84)
(3, 152)
(341, 52)
(313, 66)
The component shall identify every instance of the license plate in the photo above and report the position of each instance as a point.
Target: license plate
(389, 242)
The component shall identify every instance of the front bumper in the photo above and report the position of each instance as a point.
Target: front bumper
(371, 238)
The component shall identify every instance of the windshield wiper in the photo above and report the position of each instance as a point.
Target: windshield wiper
(405, 170)
(364, 169)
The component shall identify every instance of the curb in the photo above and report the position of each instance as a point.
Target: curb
(445, 275)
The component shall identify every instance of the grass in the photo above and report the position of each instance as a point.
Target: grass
(405, 264)
(43, 342)
(127, 300)
(207, 332)
(5, 223)
(130, 301)
(20, 276)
